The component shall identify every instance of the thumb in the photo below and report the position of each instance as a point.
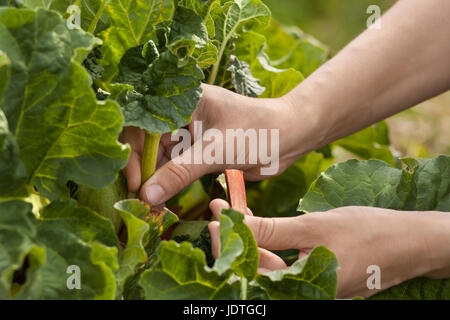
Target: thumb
(173, 177)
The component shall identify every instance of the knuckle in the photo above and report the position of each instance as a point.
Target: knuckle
(180, 173)
(266, 230)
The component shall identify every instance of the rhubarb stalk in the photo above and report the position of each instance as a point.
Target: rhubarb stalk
(236, 190)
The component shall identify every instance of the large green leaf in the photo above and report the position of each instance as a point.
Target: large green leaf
(82, 222)
(36, 254)
(423, 185)
(132, 23)
(238, 13)
(76, 138)
(181, 273)
(230, 18)
(313, 277)
(417, 289)
(92, 12)
(187, 32)
(170, 96)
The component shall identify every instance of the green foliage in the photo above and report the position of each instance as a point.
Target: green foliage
(49, 96)
(197, 233)
(29, 241)
(65, 95)
(181, 272)
(12, 169)
(311, 278)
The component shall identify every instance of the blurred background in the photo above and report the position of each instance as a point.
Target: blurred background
(422, 131)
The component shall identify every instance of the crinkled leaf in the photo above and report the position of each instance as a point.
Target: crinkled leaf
(423, 185)
(92, 64)
(238, 13)
(132, 23)
(44, 249)
(181, 273)
(243, 81)
(134, 63)
(230, 18)
(374, 183)
(197, 233)
(417, 289)
(171, 96)
(48, 87)
(203, 9)
(313, 277)
(206, 56)
(83, 222)
(187, 33)
(92, 12)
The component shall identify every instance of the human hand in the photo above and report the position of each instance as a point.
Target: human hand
(219, 109)
(402, 244)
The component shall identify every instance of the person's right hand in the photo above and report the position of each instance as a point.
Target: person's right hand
(402, 244)
(218, 109)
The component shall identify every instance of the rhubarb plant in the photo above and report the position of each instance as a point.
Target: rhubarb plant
(73, 73)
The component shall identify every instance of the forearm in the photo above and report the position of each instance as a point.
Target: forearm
(380, 73)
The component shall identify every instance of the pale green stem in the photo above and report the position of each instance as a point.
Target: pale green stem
(215, 69)
(150, 155)
(244, 289)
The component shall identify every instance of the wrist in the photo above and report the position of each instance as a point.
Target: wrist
(435, 240)
(303, 119)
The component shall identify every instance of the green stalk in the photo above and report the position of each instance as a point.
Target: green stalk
(94, 22)
(215, 69)
(150, 155)
(244, 289)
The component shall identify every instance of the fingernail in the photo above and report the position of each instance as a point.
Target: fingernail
(154, 194)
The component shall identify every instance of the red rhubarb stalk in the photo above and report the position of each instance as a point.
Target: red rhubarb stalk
(236, 190)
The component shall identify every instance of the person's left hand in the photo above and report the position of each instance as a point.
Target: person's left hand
(403, 244)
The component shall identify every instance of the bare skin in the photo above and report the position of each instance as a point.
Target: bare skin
(380, 73)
